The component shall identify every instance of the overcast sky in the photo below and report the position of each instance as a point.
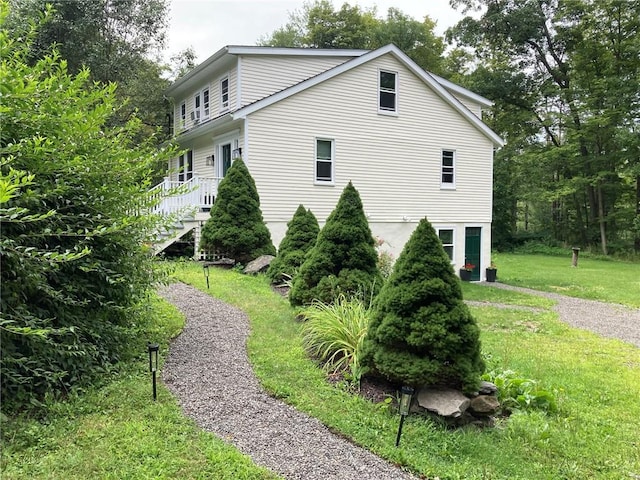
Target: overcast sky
(208, 25)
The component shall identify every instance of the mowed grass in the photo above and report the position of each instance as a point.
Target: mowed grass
(117, 431)
(595, 279)
(594, 435)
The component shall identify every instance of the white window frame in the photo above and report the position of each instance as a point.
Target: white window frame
(381, 90)
(331, 160)
(224, 102)
(185, 166)
(448, 170)
(183, 114)
(453, 241)
(206, 105)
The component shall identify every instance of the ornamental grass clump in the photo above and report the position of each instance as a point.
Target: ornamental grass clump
(343, 260)
(421, 332)
(301, 236)
(334, 333)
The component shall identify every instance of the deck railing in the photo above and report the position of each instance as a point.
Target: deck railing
(195, 194)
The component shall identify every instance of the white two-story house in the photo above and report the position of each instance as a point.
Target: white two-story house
(308, 121)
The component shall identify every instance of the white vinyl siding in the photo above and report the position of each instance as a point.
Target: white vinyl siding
(396, 166)
(265, 75)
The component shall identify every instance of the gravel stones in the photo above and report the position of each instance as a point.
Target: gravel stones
(208, 371)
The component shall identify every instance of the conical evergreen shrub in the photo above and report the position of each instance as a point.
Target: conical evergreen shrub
(236, 227)
(344, 258)
(421, 332)
(301, 236)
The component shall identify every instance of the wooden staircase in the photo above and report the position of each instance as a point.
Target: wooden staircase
(185, 206)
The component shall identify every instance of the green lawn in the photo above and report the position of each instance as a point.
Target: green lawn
(594, 434)
(117, 431)
(595, 279)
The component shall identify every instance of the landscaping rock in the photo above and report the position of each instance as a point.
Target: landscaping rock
(223, 262)
(484, 405)
(487, 388)
(258, 265)
(445, 402)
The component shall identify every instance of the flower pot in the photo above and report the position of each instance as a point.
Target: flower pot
(491, 274)
(465, 275)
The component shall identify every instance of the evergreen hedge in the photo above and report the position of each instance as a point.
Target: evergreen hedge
(301, 236)
(236, 228)
(421, 332)
(343, 260)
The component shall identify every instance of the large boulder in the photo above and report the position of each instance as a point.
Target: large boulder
(258, 265)
(445, 402)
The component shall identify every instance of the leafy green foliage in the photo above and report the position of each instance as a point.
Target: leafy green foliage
(421, 332)
(517, 393)
(73, 266)
(301, 235)
(343, 260)
(319, 25)
(116, 40)
(236, 228)
(334, 334)
(564, 79)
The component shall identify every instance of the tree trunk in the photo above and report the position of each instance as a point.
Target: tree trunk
(636, 242)
(601, 220)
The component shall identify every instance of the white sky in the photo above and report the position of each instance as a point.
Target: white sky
(208, 25)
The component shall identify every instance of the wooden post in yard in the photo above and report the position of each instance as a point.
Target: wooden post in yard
(574, 258)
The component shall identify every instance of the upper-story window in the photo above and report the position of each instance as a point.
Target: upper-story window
(448, 178)
(205, 103)
(224, 93)
(324, 160)
(183, 114)
(388, 92)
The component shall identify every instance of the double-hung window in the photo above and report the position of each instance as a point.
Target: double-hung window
(448, 175)
(205, 103)
(183, 114)
(446, 238)
(224, 93)
(324, 160)
(185, 166)
(388, 92)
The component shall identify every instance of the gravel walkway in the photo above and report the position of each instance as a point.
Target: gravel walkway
(208, 371)
(607, 319)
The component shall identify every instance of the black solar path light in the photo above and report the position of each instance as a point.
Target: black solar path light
(406, 394)
(205, 269)
(153, 364)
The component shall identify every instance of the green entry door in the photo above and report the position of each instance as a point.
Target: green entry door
(472, 237)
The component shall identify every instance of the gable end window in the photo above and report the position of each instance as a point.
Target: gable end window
(446, 238)
(448, 178)
(388, 92)
(324, 161)
(224, 93)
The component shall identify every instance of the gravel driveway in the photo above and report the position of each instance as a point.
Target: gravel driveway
(208, 371)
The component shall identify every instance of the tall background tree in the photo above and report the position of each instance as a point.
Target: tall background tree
(117, 40)
(564, 75)
(319, 25)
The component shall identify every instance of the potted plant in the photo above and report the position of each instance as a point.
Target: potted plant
(491, 272)
(465, 271)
